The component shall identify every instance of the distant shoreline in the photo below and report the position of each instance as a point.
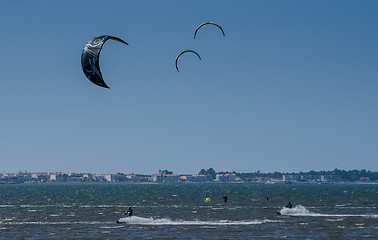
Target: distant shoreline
(185, 183)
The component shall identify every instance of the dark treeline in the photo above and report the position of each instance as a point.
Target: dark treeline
(348, 176)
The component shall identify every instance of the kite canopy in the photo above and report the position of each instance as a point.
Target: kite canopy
(206, 23)
(90, 58)
(186, 51)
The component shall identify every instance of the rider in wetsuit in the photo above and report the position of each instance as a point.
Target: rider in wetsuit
(288, 205)
(129, 212)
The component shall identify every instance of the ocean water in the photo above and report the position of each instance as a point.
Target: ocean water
(179, 211)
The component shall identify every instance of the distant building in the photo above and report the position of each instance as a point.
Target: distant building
(330, 178)
(157, 177)
(9, 178)
(108, 177)
(364, 179)
(170, 178)
(118, 178)
(99, 178)
(166, 178)
(199, 178)
(227, 177)
(74, 179)
(42, 177)
(290, 178)
(58, 177)
(274, 180)
(132, 178)
(87, 177)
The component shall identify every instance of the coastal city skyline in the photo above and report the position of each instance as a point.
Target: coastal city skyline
(204, 176)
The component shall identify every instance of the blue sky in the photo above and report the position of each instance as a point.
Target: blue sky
(293, 86)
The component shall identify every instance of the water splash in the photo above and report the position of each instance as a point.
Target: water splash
(166, 221)
(299, 210)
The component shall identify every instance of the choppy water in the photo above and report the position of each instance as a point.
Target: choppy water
(90, 211)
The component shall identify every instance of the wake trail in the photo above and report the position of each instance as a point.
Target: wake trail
(302, 211)
(166, 221)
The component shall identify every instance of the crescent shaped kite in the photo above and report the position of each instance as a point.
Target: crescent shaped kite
(186, 51)
(206, 23)
(90, 58)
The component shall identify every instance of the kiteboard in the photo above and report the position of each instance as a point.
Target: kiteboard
(118, 221)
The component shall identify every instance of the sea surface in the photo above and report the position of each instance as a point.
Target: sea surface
(179, 211)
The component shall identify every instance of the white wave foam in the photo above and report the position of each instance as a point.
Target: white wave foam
(110, 227)
(33, 206)
(334, 219)
(54, 223)
(166, 221)
(299, 210)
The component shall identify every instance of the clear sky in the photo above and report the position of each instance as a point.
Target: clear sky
(293, 86)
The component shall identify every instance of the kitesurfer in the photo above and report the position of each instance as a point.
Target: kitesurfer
(129, 212)
(288, 205)
(225, 198)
